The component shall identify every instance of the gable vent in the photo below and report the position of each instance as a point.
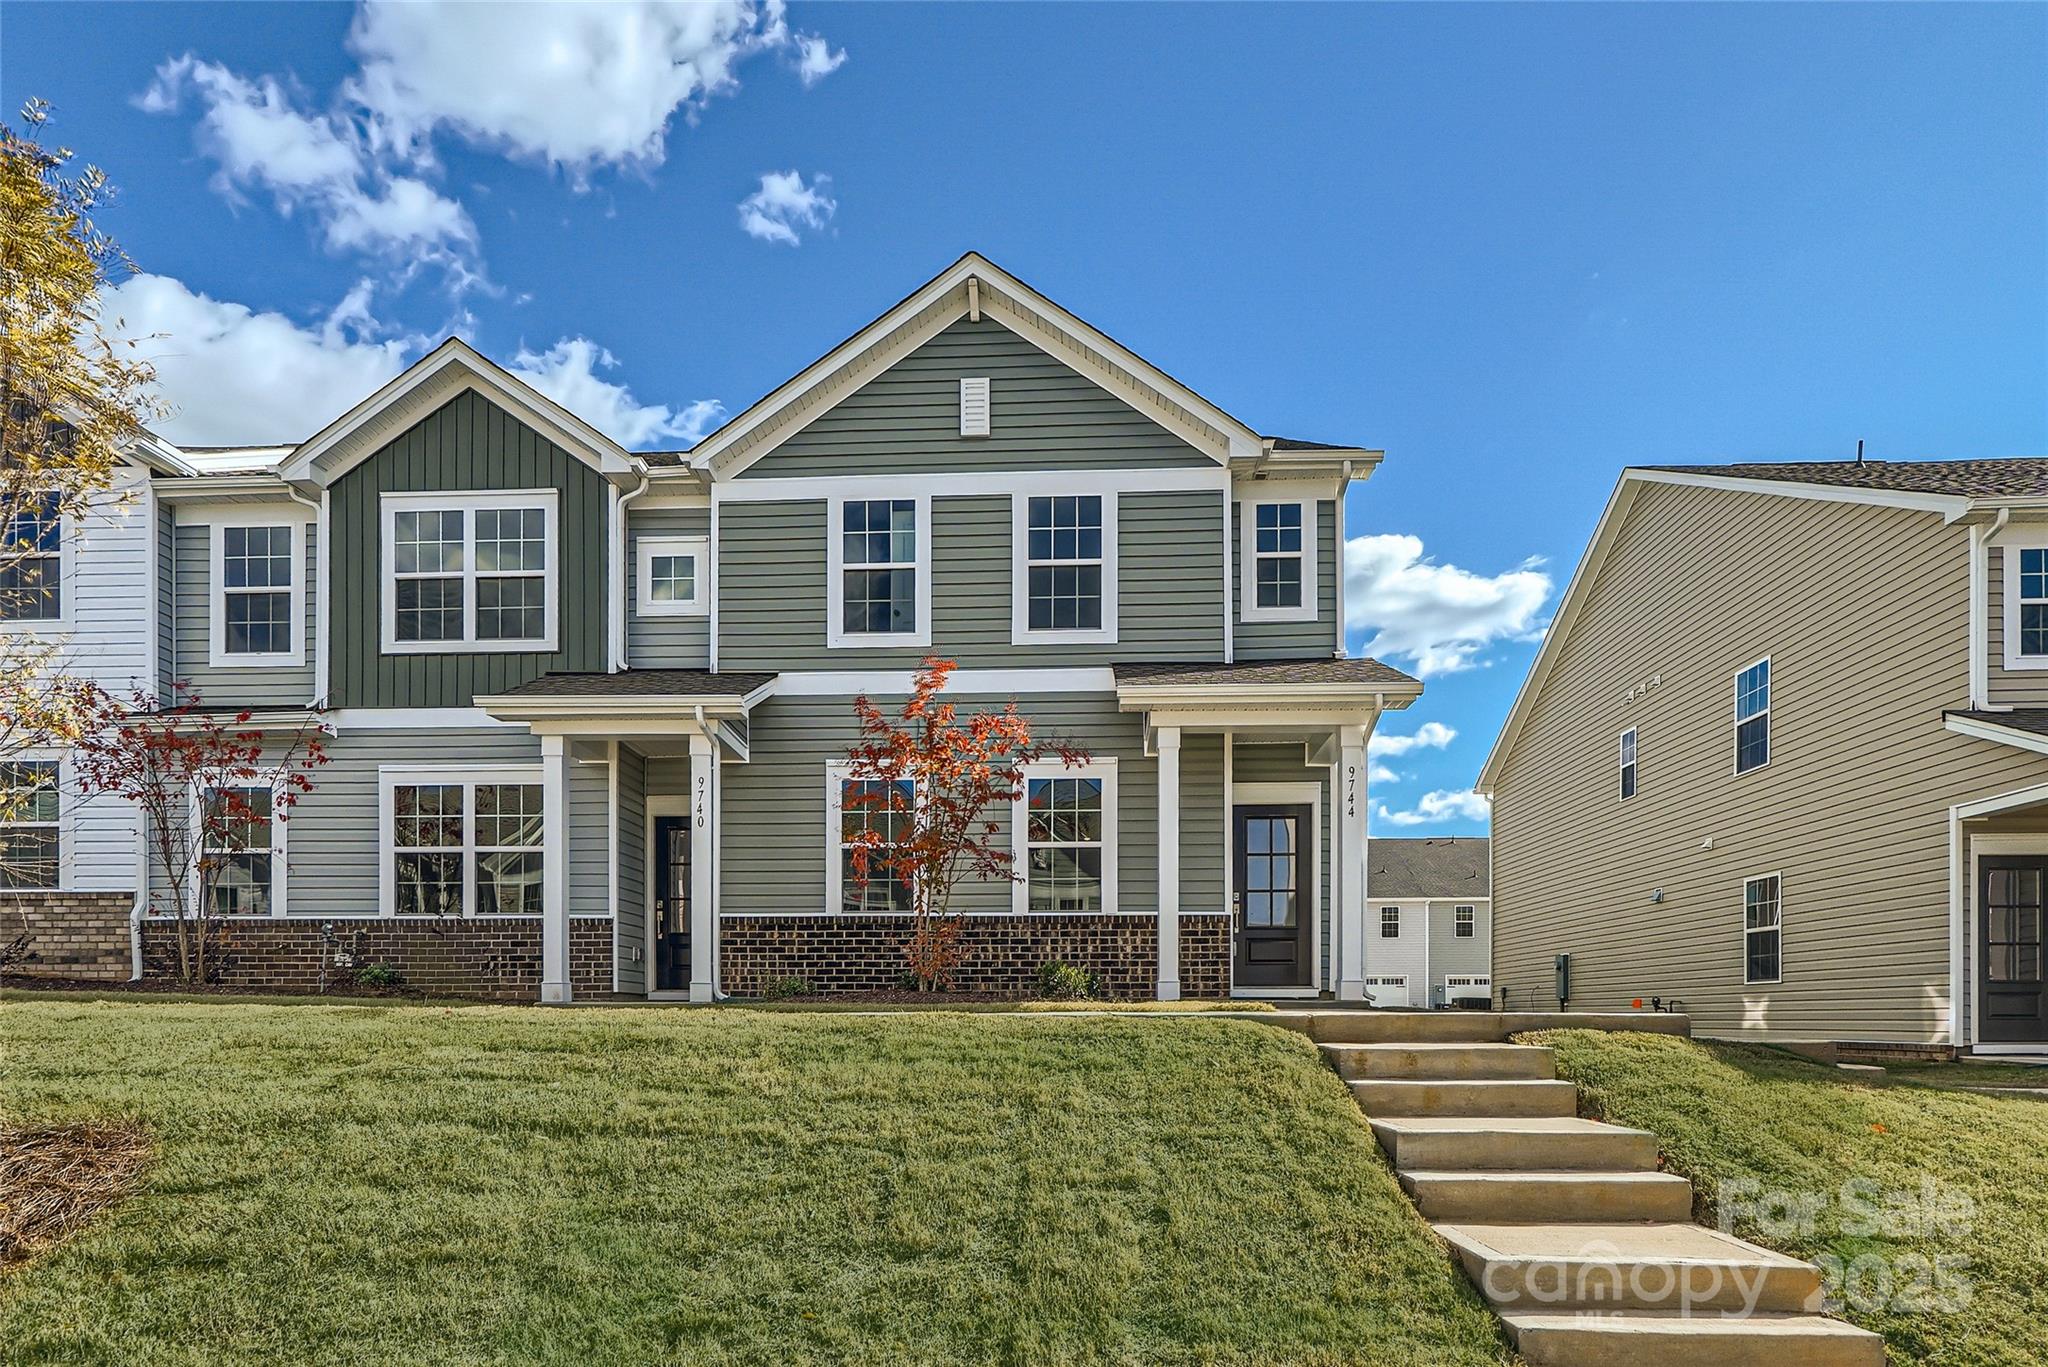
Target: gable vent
(974, 406)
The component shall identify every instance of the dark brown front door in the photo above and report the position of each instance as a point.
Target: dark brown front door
(2012, 900)
(1271, 898)
(671, 874)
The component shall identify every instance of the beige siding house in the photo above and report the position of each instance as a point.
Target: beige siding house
(1784, 758)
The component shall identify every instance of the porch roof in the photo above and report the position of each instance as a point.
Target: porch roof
(1314, 692)
(1365, 675)
(632, 693)
(2025, 727)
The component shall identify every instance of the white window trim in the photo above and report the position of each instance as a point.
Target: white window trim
(836, 635)
(2010, 546)
(1021, 633)
(50, 757)
(218, 656)
(647, 548)
(67, 534)
(1020, 848)
(1737, 719)
(1386, 907)
(391, 777)
(1248, 609)
(467, 502)
(1779, 927)
(1625, 746)
(1458, 921)
(195, 795)
(838, 773)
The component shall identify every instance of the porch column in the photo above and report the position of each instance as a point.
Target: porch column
(554, 907)
(1349, 920)
(703, 923)
(1167, 738)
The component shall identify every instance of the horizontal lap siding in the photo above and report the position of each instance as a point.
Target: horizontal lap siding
(1864, 613)
(1043, 416)
(1450, 956)
(1297, 640)
(466, 444)
(1284, 764)
(2009, 687)
(105, 635)
(664, 642)
(193, 628)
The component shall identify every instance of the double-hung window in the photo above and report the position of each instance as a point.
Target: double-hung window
(1065, 834)
(258, 592)
(28, 824)
(463, 843)
(1465, 922)
(1628, 764)
(1753, 717)
(880, 572)
(241, 844)
(1063, 572)
(32, 562)
(1763, 923)
(854, 806)
(1279, 551)
(2026, 604)
(1390, 923)
(470, 572)
(671, 575)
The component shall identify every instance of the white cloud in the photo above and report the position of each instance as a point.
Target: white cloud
(1437, 617)
(1440, 806)
(784, 205)
(235, 377)
(1380, 773)
(567, 373)
(1431, 735)
(311, 163)
(575, 86)
(815, 59)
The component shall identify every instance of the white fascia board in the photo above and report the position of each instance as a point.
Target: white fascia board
(1949, 504)
(973, 483)
(1976, 728)
(1145, 697)
(847, 683)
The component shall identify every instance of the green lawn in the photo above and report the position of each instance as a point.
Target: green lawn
(1729, 1113)
(441, 1184)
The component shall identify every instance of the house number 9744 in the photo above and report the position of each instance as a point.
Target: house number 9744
(1351, 790)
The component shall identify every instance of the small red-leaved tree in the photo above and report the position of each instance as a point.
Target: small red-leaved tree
(210, 790)
(917, 807)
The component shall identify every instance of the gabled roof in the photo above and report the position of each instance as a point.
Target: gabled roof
(440, 375)
(2003, 477)
(1446, 867)
(971, 287)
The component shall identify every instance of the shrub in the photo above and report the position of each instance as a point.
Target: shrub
(782, 989)
(1065, 981)
(379, 975)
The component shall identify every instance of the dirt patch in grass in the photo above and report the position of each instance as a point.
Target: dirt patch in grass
(56, 1178)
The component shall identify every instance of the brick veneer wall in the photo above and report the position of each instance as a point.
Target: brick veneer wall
(1205, 955)
(70, 934)
(1004, 953)
(486, 957)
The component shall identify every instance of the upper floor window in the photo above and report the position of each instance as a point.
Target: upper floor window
(880, 572)
(1763, 926)
(1390, 923)
(28, 824)
(857, 805)
(258, 588)
(1064, 570)
(32, 562)
(673, 574)
(470, 571)
(1279, 550)
(243, 842)
(1466, 922)
(1066, 838)
(2026, 605)
(1628, 764)
(1753, 717)
(463, 842)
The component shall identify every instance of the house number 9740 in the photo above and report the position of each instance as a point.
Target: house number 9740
(703, 787)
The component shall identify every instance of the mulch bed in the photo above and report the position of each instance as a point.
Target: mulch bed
(55, 1178)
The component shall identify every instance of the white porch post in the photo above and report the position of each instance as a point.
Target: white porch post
(703, 923)
(1349, 920)
(1167, 738)
(554, 917)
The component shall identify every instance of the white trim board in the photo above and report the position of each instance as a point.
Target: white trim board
(295, 522)
(1248, 609)
(837, 637)
(1021, 631)
(469, 503)
(973, 483)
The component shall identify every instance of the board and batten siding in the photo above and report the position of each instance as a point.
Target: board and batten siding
(192, 622)
(629, 950)
(1863, 611)
(774, 848)
(467, 444)
(664, 642)
(1294, 640)
(773, 592)
(1043, 415)
(1252, 762)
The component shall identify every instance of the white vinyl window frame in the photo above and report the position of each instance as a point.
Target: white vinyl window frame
(1741, 718)
(468, 777)
(838, 773)
(1465, 921)
(1021, 562)
(1021, 845)
(67, 535)
(218, 655)
(647, 550)
(469, 503)
(1248, 609)
(1625, 761)
(195, 798)
(2012, 549)
(1390, 923)
(1775, 926)
(15, 815)
(837, 637)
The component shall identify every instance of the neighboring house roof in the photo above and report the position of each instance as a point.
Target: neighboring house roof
(1446, 867)
(1323, 670)
(643, 683)
(2003, 477)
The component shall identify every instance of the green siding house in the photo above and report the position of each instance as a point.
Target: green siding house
(590, 707)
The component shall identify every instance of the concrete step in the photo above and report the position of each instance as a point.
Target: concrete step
(1519, 1197)
(1546, 1268)
(1466, 1062)
(1417, 1097)
(1668, 1338)
(1513, 1144)
(1465, 1027)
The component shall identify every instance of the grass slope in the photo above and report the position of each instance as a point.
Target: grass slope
(408, 1184)
(1728, 1113)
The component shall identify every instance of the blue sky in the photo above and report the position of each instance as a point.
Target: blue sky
(1518, 248)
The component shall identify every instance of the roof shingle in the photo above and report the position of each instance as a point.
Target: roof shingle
(1439, 866)
(1322, 670)
(641, 683)
(2000, 477)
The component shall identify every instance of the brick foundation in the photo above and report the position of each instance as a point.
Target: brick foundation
(1004, 953)
(490, 958)
(70, 934)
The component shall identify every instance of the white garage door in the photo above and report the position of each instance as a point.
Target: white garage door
(1387, 991)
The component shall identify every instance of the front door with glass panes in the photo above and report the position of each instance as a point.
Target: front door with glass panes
(1270, 897)
(2012, 906)
(671, 903)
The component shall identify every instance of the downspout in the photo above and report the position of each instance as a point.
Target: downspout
(616, 611)
(320, 550)
(1343, 494)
